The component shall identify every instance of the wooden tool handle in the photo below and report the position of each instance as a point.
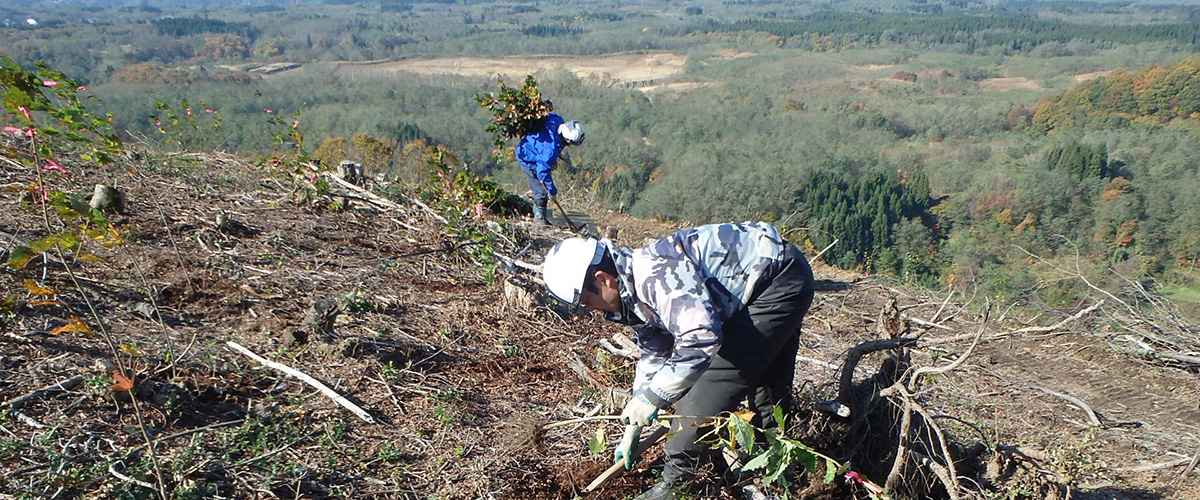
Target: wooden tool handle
(650, 440)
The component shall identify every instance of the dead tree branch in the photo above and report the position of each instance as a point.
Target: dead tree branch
(846, 381)
(332, 394)
(63, 386)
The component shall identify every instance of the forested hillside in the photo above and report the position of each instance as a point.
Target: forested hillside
(1153, 95)
(951, 144)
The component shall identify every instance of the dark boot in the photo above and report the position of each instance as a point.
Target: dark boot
(660, 491)
(539, 216)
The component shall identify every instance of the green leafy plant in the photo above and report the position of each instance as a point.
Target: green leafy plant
(508, 348)
(389, 371)
(515, 112)
(447, 395)
(781, 454)
(46, 95)
(445, 415)
(390, 454)
(97, 382)
(285, 132)
(50, 111)
(457, 193)
(189, 131)
(598, 443)
(9, 447)
(8, 311)
(357, 302)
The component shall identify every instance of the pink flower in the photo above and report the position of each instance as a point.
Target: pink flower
(26, 133)
(52, 165)
(189, 111)
(441, 176)
(81, 88)
(853, 476)
(50, 83)
(268, 111)
(311, 176)
(158, 122)
(25, 111)
(295, 123)
(208, 110)
(478, 209)
(45, 195)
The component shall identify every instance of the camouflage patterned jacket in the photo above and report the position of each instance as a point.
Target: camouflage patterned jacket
(679, 290)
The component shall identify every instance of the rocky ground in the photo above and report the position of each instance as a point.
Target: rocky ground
(457, 361)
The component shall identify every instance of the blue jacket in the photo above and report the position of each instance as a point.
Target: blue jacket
(538, 150)
(679, 290)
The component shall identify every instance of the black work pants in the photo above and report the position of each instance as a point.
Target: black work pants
(756, 362)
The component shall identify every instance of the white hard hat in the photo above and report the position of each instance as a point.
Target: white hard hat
(572, 131)
(566, 265)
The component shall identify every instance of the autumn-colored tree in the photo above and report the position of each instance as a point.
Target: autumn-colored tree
(225, 46)
(149, 73)
(267, 50)
(331, 151)
(1154, 95)
(375, 154)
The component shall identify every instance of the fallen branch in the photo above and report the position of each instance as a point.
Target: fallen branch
(586, 374)
(620, 346)
(112, 470)
(929, 324)
(63, 386)
(922, 371)
(1092, 418)
(822, 252)
(384, 202)
(1056, 326)
(846, 382)
(938, 314)
(1191, 466)
(337, 398)
(1159, 466)
(579, 420)
(511, 262)
(449, 248)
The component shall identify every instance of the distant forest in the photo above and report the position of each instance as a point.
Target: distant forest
(1016, 32)
(945, 143)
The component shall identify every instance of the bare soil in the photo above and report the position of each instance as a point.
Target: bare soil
(456, 373)
(620, 68)
(1006, 84)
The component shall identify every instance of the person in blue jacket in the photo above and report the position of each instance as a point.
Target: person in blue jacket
(538, 153)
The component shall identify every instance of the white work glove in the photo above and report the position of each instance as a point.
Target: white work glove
(627, 448)
(639, 411)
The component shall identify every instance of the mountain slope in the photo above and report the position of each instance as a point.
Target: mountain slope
(458, 365)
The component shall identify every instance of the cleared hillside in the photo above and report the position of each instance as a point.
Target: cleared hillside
(456, 363)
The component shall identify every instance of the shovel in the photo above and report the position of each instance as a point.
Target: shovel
(645, 444)
(568, 219)
(564, 213)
